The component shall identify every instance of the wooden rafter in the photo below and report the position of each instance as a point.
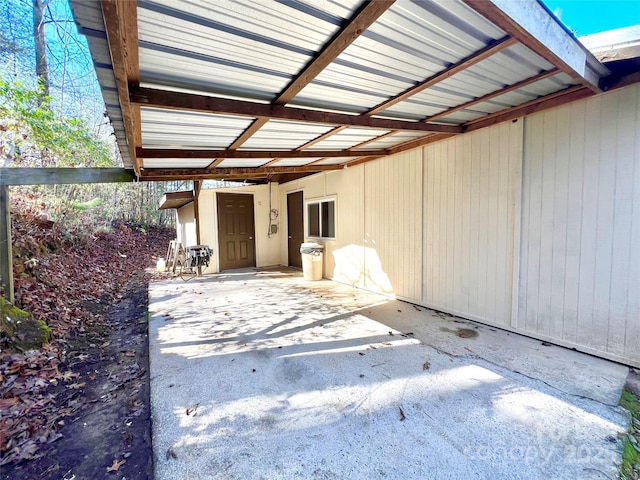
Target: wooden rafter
(243, 170)
(175, 153)
(553, 100)
(402, 147)
(369, 157)
(249, 132)
(248, 172)
(565, 53)
(324, 136)
(374, 139)
(318, 139)
(315, 162)
(497, 93)
(271, 162)
(121, 22)
(359, 22)
(418, 142)
(202, 103)
(457, 67)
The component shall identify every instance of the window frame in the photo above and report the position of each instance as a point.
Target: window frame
(319, 201)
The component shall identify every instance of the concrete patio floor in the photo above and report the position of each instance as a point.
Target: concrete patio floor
(259, 374)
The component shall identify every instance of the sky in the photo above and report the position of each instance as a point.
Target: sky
(584, 17)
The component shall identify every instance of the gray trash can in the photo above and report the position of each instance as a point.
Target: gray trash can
(312, 260)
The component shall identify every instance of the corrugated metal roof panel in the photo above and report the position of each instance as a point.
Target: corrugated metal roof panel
(408, 43)
(283, 135)
(509, 66)
(171, 128)
(548, 85)
(242, 46)
(176, 163)
(347, 138)
(293, 162)
(88, 16)
(391, 140)
(251, 50)
(161, 69)
(462, 116)
(422, 106)
(512, 99)
(243, 162)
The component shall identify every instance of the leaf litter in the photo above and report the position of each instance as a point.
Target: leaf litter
(68, 282)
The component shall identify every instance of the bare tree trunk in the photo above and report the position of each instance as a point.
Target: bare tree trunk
(42, 69)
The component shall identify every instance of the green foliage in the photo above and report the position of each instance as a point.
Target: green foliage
(82, 206)
(631, 403)
(630, 454)
(44, 138)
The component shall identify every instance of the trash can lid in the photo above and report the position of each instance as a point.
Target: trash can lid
(311, 245)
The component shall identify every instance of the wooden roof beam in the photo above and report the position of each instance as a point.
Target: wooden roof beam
(202, 103)
(353, 28)
(358, 24)
(533, 26)
(359, 161)
(121, 23)
(451, 70)
(411, 144)
(176, 153)
(497, 93)
(64, 176)
(155, 174)
(476, 57)
(543, 103)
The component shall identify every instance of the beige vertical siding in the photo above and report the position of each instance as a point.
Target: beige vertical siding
(344, 261)
(471, 193)
(393, 219)
(580, 250)
(186, 225)
(378, 242)
(344, 256)
(267, 248)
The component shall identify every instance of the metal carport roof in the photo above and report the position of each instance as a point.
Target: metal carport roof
(265, 90)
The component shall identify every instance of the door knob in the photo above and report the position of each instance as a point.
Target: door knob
(250, 238)
(290, 236)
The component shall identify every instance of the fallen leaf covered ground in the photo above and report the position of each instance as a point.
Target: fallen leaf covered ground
(68, 279)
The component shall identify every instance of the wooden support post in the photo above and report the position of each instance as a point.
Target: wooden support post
(197, 185)
(6, 251)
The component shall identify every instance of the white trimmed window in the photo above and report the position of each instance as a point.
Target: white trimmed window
(321, 219)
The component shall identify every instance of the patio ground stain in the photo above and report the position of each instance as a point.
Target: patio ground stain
(461, 332)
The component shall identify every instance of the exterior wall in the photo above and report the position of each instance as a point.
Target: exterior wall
(267, 248)
(378, 234)
(344, 256)
(472, 190)
(186, 225)
(531, 225)
(580, 250)
(393, 225)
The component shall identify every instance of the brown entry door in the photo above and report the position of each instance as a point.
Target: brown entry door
(295, 228)
(236, 231)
